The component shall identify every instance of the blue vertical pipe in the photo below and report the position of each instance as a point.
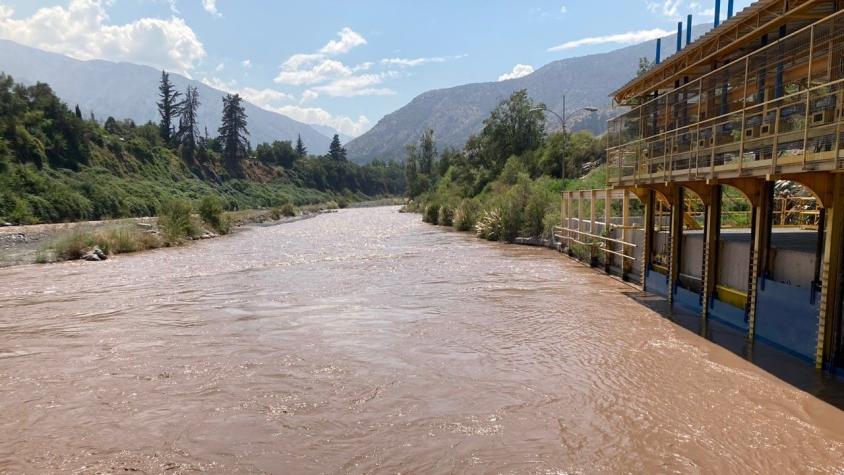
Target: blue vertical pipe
(679, 36)
(717, 13)
(730, 8)
(689, 30)
(658, 50)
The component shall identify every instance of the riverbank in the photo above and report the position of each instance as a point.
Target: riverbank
(40, 243)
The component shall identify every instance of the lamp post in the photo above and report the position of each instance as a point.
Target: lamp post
(563, 120)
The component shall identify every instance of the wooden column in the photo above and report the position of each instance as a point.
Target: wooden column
(833, 242)
(650, 211)
(625, 231)
(593, 195)
(711, 244)
(608, 258)
(676, 241)
(762, 214)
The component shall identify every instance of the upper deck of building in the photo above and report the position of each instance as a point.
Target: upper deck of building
(760, 95)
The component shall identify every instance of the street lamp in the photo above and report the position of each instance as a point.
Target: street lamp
(563, 121)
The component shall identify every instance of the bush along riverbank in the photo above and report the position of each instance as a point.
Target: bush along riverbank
(505, 184)
(179, 223)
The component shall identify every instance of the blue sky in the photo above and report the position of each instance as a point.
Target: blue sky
(344, 64)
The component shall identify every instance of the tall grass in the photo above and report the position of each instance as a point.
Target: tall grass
(176, 223)
(211, 210)
(118, 240)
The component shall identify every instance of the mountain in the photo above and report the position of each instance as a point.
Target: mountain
(129, 91)
(330, 131)
(458, 112)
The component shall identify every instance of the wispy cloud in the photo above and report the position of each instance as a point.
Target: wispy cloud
(349, 39)
(413, 62)
(210, 6)
(675, 9)
(519, 70)
(631, 37)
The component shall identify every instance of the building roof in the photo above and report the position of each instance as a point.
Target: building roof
(733, 38)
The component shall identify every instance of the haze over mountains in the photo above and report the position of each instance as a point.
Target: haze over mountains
(130, 91)
(456, 113)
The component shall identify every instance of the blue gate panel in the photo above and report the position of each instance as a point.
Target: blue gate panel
(787, 316)
(728, 314)
(656, 283)
(687, 299)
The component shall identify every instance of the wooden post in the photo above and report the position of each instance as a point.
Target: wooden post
(808, 106)
(710, 249)
(676, 241)
(593, 195)
(650, 211)
(608, 258)
(625, 231)
(759, 251)
(833, 242)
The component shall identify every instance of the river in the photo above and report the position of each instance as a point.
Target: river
(368, 342)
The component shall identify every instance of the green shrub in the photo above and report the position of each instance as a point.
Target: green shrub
(211, 210)
(21, 212)
(489, 225)
(431, 214)
(551, 220)
(287, 210)
(175, 222)
(445, 217)
(342, 203)
(75, 244)
(465, 215)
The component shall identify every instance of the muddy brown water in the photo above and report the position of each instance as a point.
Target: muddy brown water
(368, 342)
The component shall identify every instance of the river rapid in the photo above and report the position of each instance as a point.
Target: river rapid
(368, 342)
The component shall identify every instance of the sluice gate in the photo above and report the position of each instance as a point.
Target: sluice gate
(725, 170)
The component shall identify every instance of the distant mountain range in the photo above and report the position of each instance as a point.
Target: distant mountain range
(129, 91)
(456, 113)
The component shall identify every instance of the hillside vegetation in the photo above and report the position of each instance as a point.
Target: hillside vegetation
(56, 166)
(506, 182)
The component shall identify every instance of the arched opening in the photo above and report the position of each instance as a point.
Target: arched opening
(732, 259)
(690, 261)
(658, 260)
(789, 283)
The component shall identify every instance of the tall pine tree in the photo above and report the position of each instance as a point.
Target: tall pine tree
(336, 150)
(233, 134)
(168, 107)
(301, 150)
(188, 135)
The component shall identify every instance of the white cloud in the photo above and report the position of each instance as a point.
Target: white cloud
(409, 63)
(348, 40)
(82, 30)
(631, 37)
(675, 9)
(308, 95)
(265, 98)
(217, 83)
(519, 70)
(315, 115)
(354, 86)
(321, 71)
(210, 6)
(220, 67)
(247, 63)
(173, 8)
(564, 10)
